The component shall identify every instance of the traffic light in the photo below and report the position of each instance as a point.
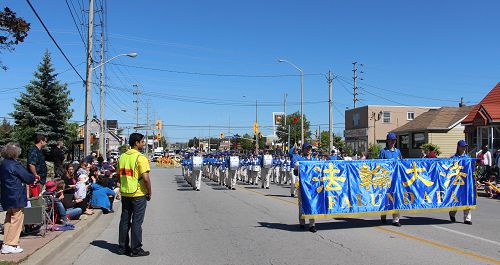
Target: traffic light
(295, 119)
(158, 124)
(158, 136)
(222, 135)
(81, 132)
(260, 136)
(255, 128)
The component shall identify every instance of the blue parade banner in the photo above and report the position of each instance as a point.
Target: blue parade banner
(340, 188)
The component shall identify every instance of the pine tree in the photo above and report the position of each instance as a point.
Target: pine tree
(44, 107)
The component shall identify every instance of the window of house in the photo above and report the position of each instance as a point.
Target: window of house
(496, 138)
(387, 117)
(418, 139)
(404, 141)
(355, 119)
(410, 115)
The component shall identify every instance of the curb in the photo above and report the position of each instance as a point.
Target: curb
(47, 252)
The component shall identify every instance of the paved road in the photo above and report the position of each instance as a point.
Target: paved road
(255, 226)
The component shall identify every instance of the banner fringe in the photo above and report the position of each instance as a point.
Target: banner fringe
(361, 214)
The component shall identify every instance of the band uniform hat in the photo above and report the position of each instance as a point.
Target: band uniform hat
(462, 143)
(391, 136)
(306, 145)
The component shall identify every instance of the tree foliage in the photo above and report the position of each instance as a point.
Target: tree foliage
(295, 129)
(13, 30)
(5, 132)
(43, 108)
(432, 147)
(325, 144)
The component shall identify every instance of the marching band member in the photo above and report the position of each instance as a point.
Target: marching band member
(234, 163)
(267, 169)
(197, 162)
(294, 156)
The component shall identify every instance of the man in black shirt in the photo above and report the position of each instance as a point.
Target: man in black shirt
(36, 159)
(57, 155)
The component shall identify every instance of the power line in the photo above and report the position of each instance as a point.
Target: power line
(74, 21)
(55, 42)
(212, 74)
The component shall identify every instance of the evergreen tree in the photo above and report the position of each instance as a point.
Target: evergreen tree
(5, 132)
(43, 108)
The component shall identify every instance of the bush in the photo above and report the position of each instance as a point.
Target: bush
(374, 151)
(432, 147)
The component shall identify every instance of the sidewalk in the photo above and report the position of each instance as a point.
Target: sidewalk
(31, 244)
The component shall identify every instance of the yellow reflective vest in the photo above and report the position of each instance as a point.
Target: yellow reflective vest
(129, 179)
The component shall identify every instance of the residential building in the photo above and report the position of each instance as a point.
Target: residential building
(437, 126)
(370, 124)
(112, 140)
(482, 125)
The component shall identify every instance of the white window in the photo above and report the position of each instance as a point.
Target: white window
(410, 115)
(355, 119)
(387, 117)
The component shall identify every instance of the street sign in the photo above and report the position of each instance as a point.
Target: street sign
(222, 135)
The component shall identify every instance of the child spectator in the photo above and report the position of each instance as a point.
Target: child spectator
(102, 196)
(81, 198)
(55, 188)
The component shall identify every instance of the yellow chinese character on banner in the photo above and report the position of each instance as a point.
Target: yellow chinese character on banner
(330, 177)
(378, 177)
(415, 175)
(455, 171)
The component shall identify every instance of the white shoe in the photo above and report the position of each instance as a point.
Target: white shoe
(6, 249)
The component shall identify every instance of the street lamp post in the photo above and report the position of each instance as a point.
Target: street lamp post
(88, 97)
(301, 98)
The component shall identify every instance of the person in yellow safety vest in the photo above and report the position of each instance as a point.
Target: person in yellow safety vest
(135, 188)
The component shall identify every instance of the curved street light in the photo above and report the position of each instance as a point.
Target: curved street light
(301, 97)
(88, 100)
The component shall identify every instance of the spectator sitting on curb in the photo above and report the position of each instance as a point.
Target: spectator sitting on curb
(102, 196)
(55, 188)
(81, 194)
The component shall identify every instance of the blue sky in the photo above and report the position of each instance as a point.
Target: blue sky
(430, 53)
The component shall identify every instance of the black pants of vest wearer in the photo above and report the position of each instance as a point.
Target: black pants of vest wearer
(133, 211)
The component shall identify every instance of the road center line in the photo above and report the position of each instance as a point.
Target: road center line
(442, 246)
(419, 239)
(467, 235)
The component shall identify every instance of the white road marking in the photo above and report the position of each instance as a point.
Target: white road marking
(468, 235)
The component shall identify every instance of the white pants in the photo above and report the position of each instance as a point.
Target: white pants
(196, 179)
(293, 180)
(265, 175)
(467, 215)
(232, 179)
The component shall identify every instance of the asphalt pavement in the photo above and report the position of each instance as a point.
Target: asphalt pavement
(250, 225)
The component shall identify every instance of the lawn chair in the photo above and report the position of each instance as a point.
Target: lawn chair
(40, 213)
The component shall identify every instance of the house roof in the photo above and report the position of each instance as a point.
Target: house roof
(444, 118)
(490, 104)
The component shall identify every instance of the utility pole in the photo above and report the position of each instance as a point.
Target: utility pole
(147, 127)
(355, 88)
(330, 114)
(88, 81)
(209, 132)
(102, 136)
(284, 116)
(136, 92)
(257, 133)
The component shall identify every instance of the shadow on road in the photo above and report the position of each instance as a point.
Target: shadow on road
(112, 247)
(348, 223)
(253, 188)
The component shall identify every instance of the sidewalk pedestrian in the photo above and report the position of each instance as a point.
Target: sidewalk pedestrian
(57, 156)
(14, 178)
(135, 188)
(36, 163)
